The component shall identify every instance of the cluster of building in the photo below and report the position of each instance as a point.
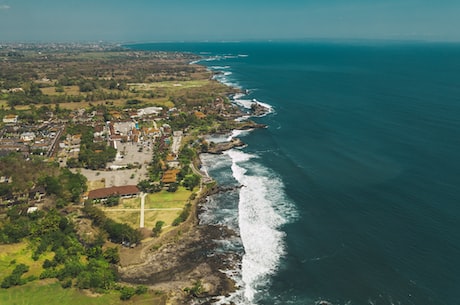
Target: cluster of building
(29, 139)
(48, 139)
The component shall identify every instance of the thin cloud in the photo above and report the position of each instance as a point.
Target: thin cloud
(4, 7)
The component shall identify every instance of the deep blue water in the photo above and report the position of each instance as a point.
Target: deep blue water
(363, 150)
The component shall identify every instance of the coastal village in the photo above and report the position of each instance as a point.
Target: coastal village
(133, 145)
(116, 163)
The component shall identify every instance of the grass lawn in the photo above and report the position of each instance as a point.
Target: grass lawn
(69, 90)
(128, 217)
(165, 199)
(162, 200)
(20, 253)
(50, 293)
(151, 217)
(131, 203)
(170, 84)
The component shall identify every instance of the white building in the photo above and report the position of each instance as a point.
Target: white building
(10, 118)
(149, 111)
(27, 136)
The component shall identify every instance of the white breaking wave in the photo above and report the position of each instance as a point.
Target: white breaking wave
(220, 67)
(219, 138)
(212, 58)
(246, 103)
(263, 208)
(224, 80)
(237, 133)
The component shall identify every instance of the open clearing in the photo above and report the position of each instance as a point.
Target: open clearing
(20, 253)
(164, 206)
(51, 293)
(177, 85)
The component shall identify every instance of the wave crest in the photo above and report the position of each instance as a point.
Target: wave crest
(260, 221)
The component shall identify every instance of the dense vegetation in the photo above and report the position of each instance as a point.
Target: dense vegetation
(26, 174)
(51, 231)
(92, 155)
(118, 232)
(74, 262)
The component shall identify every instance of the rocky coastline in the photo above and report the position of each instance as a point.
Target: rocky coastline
(183, 257)
(218, 148)
(186, 255)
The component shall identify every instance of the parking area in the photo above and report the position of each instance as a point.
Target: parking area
(129, 168)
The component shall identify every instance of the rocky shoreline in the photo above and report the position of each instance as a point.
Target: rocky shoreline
(187, 255)
(218, 148)
(181, 258)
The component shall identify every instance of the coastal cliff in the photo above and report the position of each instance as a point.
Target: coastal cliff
(218, 148)
(180, 259)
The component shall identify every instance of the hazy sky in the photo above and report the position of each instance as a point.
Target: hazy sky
(177, 20)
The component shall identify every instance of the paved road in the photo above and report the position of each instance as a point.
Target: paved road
(141, 225)
(176, 144)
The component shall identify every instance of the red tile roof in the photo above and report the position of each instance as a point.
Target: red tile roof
(113, 191)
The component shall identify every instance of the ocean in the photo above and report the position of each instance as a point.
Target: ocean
(351, 195)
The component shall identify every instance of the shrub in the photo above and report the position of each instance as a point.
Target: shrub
(141, 289)
(67, 283)
(157, 229)
(127, 293)
(196, 289)
(183, 215)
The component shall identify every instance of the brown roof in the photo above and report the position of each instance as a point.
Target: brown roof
(200, 114)
(113, 191)
(170, 176)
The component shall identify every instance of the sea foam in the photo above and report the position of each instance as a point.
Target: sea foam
(263, 208)
(247, 103)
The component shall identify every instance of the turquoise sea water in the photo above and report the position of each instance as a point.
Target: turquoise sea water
(352, 193)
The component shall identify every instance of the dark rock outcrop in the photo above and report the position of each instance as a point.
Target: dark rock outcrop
(218, 148)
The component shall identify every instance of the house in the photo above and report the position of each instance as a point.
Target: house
(32, 210)
(27, 136)
(10, 118)
(126, 191)
(149, 111)
(15, 90)
(170, 176)
(200, 115)
(37, 193)
(6, 179)
(150, 132)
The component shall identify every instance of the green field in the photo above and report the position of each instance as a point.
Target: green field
(50, 293)
(20, 253)
(172, 203)
(176, 85)
(164, 199)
